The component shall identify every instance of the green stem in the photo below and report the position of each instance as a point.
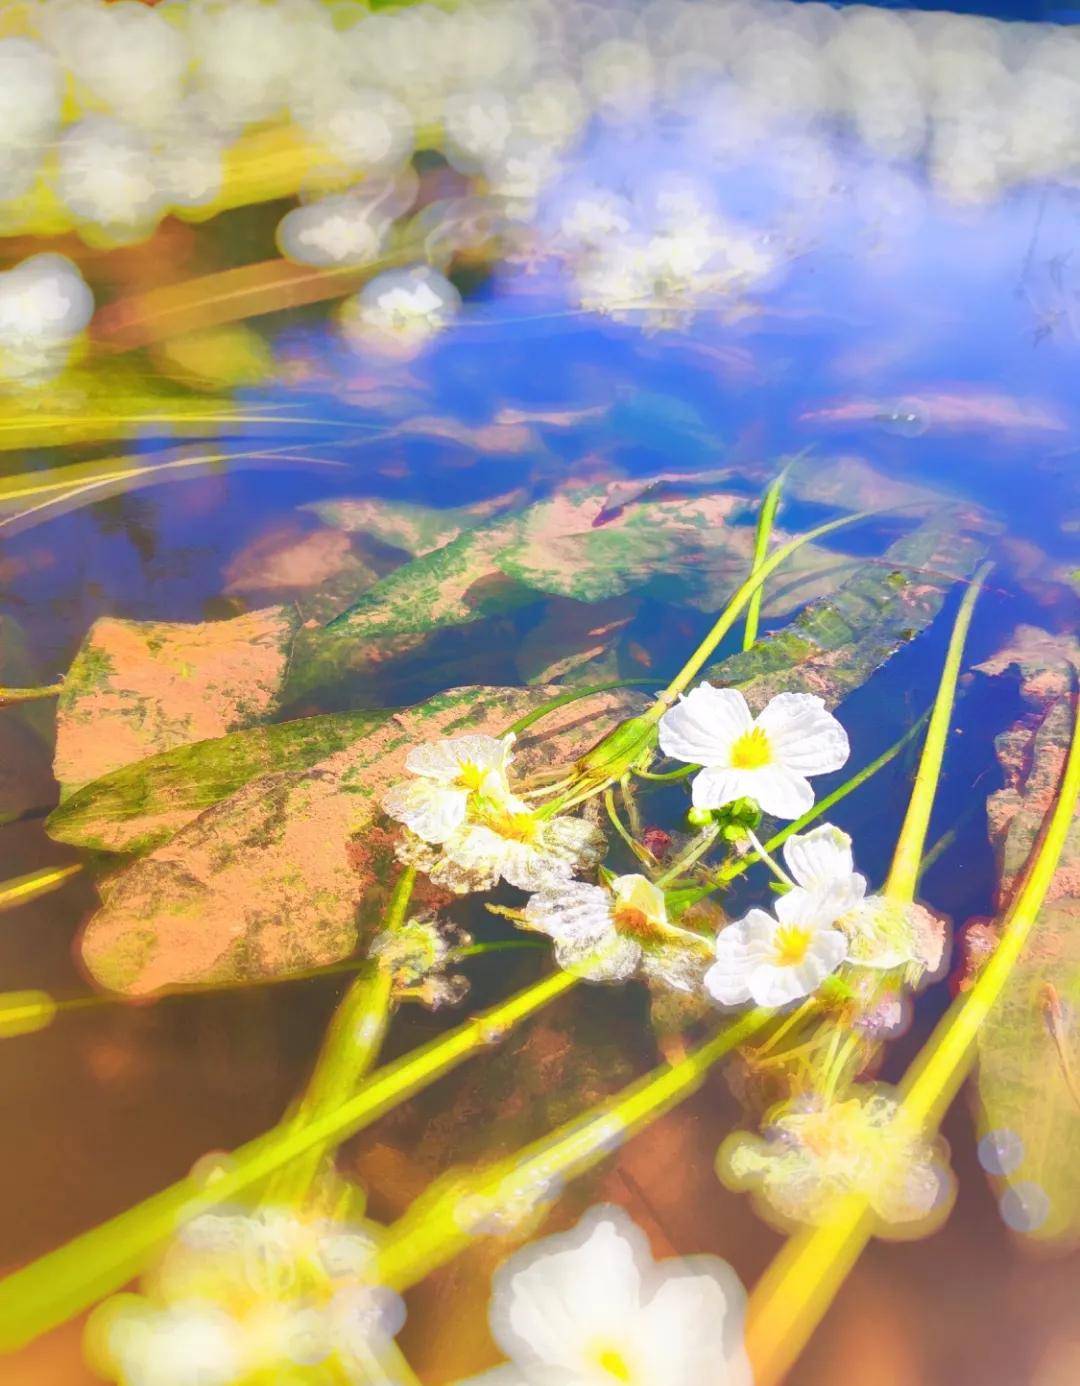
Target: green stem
(351, 1046)
(572, 696)
(801, 1283)
(731, 612)
(767, 515)
(615, 753)
(63, 1283)
(683, 772)
(904, 873)
(443, 1222)
(697, 848)
(28, 695)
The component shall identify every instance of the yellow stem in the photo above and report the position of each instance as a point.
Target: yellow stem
(444, 1221)
(770, 502)
(45, 1293)
(799, 1286)
(904, 873)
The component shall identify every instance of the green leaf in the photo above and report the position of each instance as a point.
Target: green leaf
(835, 644)
(287, 872)
(1029, 1044)
(142, 805)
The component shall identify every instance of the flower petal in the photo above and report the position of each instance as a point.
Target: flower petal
(818, 858)
(691, 1330)
(702, 726)
(780, 791)
(725, 987)
(806, 737)
(443, 760)
(554, 1298)
(714, 787)
(431, 810)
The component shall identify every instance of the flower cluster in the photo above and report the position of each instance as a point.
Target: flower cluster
(418, 956)
(245, 1296)
(815, 1153)
(468, 830)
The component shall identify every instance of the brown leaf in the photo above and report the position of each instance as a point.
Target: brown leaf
(137, 687)
(288, 871)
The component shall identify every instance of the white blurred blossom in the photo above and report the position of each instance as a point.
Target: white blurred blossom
(590, 1307)
(44, 306)
(106, 175)
(400, 311)
(815, 1153)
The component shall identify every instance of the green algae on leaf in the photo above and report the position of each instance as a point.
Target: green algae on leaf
(416, 529)
(288, 872)
(587, 543)
(139, 806)
(138, 687)
(1029, 1045)
(835, 644)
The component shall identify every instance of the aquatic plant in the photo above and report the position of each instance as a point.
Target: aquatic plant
(812, 983)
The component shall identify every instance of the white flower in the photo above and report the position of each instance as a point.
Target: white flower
(609, 933)
(881, 933)
(44, 305)
(332, 231)
(772, 961)
(434, 804)
(886, 933)
(591, 1307)
(815, 1154)
(766, 758)
(400, 310)
(418, 955)
(504, 839)
(822, 860)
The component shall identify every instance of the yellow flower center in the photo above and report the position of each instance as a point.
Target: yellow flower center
(751, 751)
(790, 944)
(518, 827)
(610, 1360)
(471, 776)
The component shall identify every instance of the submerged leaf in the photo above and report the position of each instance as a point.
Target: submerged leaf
(139, 806)
(418, 529)
(285, 873)
(137, 687)
(319, 571)
(1029, 1045)
(835, 644)
(589, 543)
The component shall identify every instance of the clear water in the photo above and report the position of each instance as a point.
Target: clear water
(940, 344)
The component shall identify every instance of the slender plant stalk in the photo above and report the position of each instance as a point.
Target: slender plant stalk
(349, 1049)
(799, 1286)
(30, 695)
(904, 873)
(20, 889)
(766, 517)
(741, 598)
(444, 1221)
(630, 740)
(66, 1281)
(573, 695)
